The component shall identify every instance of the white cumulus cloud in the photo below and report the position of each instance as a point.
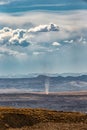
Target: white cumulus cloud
(69, 41)
(37, 40)
(56, 44)
(44, 28)
(16, 37)
(22, 37)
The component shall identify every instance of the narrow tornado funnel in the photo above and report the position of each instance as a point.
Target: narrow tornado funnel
(47, 85)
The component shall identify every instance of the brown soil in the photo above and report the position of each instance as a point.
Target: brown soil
(40, 119)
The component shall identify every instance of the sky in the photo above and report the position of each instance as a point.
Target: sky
(43, 36)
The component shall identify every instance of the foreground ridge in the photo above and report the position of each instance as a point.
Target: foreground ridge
(40, 119)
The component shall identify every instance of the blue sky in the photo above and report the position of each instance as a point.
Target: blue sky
(38, 36)
(28, 5)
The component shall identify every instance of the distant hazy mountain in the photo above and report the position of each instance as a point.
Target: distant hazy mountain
(38, 82)
(69, 83)
(32, 75)
(61, 78)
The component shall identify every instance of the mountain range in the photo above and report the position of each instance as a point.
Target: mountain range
(32, 75)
